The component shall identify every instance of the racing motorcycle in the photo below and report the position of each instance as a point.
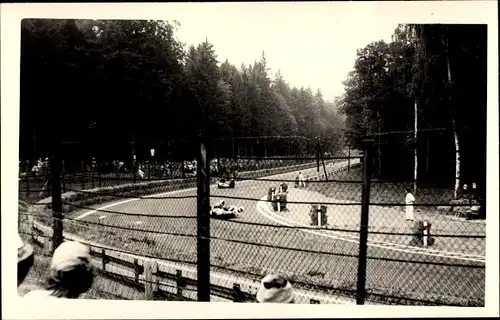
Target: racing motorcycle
(225, 184)
(221, 211)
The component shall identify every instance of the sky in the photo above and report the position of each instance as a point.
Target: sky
(312, 48)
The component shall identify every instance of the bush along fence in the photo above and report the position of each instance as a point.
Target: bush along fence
(329, 253)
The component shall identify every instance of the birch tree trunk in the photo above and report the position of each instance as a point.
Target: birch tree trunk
(454, 128)
(457, 161)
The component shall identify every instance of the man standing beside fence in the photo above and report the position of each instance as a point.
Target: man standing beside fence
(410, 199)
(301, 180)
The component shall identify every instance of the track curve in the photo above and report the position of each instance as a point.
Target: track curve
(256, 244)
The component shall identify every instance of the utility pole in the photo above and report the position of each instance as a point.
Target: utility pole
(203, 222)
(349, 157)
(363, 237)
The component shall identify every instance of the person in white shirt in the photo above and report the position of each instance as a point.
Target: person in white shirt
(70, 275)
(301, 180)
(409, 200)
(140, 173)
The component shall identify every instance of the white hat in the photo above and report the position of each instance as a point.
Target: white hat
(69, 255)
(275, 289)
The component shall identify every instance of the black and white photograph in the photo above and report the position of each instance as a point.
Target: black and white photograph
(243, 155)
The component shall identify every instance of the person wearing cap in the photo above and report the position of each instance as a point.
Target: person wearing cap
(70, 274)
(275, 289)
(25, 259)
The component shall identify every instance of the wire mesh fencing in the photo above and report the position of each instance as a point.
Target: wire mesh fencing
(270, 212)
(425, 219)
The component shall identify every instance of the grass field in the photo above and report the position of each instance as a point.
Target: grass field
(255, 245)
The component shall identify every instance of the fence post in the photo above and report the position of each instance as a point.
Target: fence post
(63, 175)
(148, 279)
(203, 224)
(237, 294)
(70, 180)
(156, 278)
(55, 164)
(99, 175)
(48, 245)
(83, 175)
(104, 259)
(348, 158)
(27, 179)
(137, 270)
(363, 237)
(180, 284)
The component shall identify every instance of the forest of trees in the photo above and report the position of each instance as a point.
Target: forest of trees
(440, 68)
(101, 82)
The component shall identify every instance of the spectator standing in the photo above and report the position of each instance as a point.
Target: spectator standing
(302, 182)
(45, 171)
(409, 200)
(140, 173)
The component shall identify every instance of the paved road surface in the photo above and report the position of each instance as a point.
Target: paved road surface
(246, 245)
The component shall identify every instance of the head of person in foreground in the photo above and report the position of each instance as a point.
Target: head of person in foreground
(275, 289)
(70, 274)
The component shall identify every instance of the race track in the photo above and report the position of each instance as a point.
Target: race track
(257, 243)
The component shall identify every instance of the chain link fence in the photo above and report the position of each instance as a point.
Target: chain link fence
(307, 209)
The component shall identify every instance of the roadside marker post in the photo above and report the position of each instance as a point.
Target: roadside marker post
(319, 216)
(426, 233)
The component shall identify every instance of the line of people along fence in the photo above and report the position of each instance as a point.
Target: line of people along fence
(369, 238)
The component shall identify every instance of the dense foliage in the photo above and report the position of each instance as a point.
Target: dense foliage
(108, 82)
(442, 69)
